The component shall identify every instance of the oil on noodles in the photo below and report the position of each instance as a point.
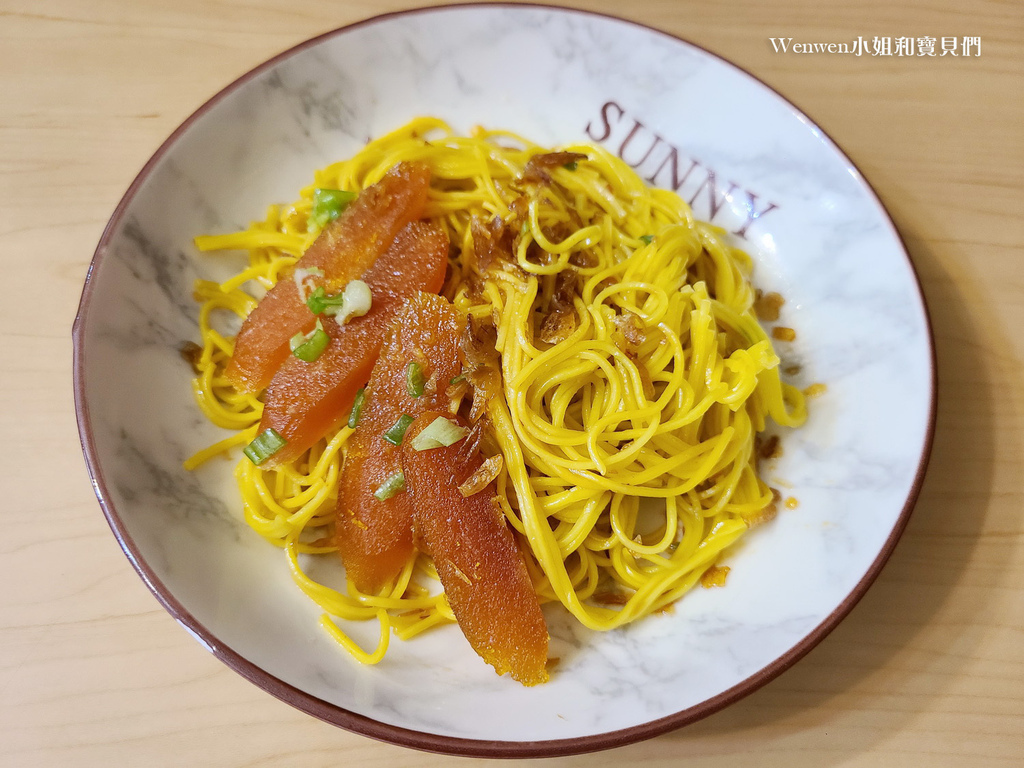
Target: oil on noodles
(635, 379)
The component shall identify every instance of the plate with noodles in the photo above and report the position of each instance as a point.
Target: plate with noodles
(504, 411)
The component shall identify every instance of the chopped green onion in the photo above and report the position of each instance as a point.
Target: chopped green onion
(390, 487)
(266, 444)
(457, 379)
(571, 166)
(320, 303)
(414, 380)
(397, 431)
(647, 238)
(439, 433)
(357, 408)
(354, 301)
(308, 347)
(358, 300)
(328, 205)
(300, 275)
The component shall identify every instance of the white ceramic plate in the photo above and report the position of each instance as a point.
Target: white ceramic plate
(747, 160)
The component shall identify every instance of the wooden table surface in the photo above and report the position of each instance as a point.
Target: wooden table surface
(927, 670)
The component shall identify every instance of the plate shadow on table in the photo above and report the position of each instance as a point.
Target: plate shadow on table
(883, 663)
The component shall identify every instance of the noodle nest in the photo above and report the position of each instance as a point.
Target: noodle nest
(635, 379)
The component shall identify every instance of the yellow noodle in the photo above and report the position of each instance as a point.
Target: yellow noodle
(629, 469)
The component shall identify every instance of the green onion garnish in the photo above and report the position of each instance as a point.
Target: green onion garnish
(571, 166)
(357, 408)
(266, 444)
(308, 347)
(390, 487)
(457, 379)
(301, 274)
(398, 429)
(439, 433)
(648, 239)
(328, 205)
(320, 303)
(414, 380)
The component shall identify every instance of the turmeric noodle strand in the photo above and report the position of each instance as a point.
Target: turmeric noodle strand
(627, 416)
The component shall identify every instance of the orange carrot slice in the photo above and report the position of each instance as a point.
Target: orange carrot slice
(305, 401)
(476, 557)
(344, 251)
(375, 534)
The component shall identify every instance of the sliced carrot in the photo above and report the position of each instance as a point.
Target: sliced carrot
(344, 250)
(305, 401)
(476, 557)
(375, 535)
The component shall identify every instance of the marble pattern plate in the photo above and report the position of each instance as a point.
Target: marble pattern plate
(745, 159)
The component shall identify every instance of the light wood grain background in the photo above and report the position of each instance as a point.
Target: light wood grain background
(927, 670)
